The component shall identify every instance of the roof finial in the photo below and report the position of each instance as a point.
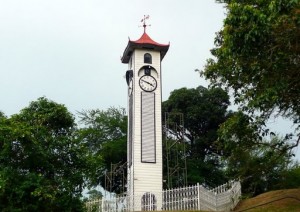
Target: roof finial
(144, 22)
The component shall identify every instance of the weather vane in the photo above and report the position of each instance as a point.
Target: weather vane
(144, 22)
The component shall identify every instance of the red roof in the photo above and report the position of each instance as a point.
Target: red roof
(145, 39)
(145, 42)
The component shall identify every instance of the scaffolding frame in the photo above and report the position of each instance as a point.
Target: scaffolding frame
(116, 170)
(175, 148)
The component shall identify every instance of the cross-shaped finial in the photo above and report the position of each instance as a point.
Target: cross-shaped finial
(144, 22)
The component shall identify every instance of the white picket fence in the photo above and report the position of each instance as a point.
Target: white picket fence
(221, 198)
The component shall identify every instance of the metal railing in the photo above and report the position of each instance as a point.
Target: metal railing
(221, 198)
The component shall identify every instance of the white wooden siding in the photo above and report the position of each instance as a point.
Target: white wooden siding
(145, 177)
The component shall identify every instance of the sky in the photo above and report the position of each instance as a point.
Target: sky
(69, 50)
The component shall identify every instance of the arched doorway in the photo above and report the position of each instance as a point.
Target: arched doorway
(149, 202)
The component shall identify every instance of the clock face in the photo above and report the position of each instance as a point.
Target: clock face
(148, 83)
(130, 87)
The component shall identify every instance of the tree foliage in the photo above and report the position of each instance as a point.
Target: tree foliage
(256, 55)
(203, 110)
(105, 133)
(94, 194)
(42, 165)
(223, 145)
(291, 177)
(261, 165)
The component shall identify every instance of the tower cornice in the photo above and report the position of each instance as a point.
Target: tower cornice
(144, 42)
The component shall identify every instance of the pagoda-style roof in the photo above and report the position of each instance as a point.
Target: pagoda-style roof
(145, 42)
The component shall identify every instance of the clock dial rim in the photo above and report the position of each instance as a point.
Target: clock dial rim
(150, 89)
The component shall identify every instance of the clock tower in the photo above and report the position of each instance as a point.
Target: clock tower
(144, 142)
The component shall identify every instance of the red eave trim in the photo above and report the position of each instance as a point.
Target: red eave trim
(144, 42)
(145, 39)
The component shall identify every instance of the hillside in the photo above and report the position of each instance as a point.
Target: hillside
(280, 200)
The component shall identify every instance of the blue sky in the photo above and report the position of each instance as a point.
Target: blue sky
(69, 50)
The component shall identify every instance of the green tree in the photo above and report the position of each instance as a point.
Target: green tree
(2, 115)
(204, 110)
(94, 194)
(261, 165)
(105, 133)
(42, 164)
(256, 55)
(291, 177)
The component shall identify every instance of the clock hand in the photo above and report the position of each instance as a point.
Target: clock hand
(148, 83)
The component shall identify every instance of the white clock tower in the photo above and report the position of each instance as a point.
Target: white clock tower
(144, 143)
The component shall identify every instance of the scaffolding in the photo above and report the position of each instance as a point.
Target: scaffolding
(175, 157)
(116, 178)
(175, 148)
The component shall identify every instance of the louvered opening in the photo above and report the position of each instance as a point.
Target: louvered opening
(148, 128)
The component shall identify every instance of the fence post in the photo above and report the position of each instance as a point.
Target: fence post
(199, 200)
(102, 204)
(216, 201)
